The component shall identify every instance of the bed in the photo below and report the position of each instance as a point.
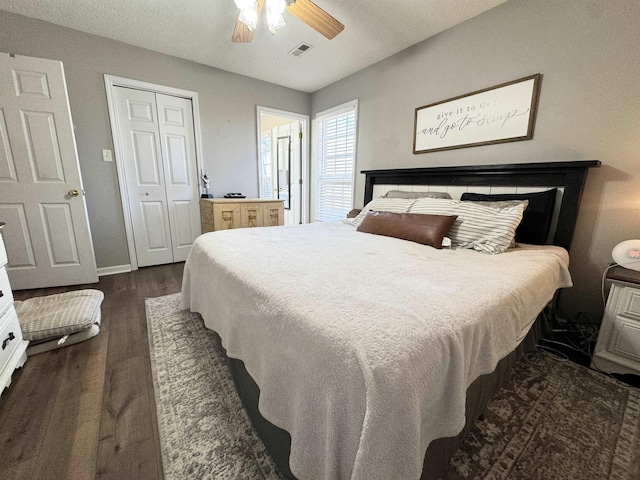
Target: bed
(364, 356)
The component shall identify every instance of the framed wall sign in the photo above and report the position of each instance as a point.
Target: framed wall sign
(503, 113)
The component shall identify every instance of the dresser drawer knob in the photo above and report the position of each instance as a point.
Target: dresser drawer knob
(1, 294)
(7, 340)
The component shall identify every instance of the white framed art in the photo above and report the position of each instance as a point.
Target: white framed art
(502, 113)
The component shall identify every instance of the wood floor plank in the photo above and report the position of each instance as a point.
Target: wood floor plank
(26, 408)
(157, 282)
(76, 415)
(124, 322)
(18, 471)
(127, 448)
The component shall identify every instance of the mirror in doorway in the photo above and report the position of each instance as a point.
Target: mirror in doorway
(283, 159)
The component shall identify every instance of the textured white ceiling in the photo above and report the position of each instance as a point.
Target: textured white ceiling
(200, 30)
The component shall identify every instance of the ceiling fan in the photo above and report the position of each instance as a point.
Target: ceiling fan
(305, 10)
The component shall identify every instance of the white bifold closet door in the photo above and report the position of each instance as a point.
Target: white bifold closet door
(156, 136)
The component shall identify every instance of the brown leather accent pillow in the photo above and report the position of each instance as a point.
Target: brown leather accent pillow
(415, 227)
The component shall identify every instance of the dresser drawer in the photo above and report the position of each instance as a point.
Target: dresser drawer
(10, 335)
(6, 297)
(226, 216)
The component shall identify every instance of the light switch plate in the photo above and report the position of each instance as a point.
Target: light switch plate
(107, 156)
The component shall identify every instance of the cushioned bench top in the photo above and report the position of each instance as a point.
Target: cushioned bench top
(58, 315)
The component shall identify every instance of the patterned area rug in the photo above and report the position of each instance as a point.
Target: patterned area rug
(204, 430)
(553, 420)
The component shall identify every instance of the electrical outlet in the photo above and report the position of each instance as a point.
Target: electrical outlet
(107, 156)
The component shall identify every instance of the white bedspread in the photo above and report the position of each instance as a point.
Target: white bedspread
(363, 346)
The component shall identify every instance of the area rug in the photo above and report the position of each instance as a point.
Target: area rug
(553, 420)
(204, 430)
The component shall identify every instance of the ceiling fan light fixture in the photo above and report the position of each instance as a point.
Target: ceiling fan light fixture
(304, 10)
(244, 4)
(276, 7)
(248, 13)
(275, 20)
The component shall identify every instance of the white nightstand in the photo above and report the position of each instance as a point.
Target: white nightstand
(618, 346)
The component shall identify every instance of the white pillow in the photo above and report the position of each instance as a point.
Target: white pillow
(483, 227)
(393, 205)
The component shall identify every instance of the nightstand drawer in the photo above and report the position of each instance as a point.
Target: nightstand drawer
(10, 336)
(627, 340)
(630, 302)
(618, 346)
(6, 297)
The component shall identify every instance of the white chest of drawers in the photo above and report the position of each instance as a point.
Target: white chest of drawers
(13, 347)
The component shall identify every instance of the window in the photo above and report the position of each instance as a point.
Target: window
(335, 162)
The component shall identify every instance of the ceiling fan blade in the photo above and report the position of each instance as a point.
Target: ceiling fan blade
(316, 18)
(241, 33)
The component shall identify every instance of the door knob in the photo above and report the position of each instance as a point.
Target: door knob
(73, 193)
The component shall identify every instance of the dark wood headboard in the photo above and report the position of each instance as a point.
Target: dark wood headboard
(569, 175)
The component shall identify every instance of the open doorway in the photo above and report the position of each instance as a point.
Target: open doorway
(283, 171)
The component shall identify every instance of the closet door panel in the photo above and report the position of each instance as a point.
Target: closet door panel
(145, 174)
(179, 154)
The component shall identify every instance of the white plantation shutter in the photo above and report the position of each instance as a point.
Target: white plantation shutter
(335, 162)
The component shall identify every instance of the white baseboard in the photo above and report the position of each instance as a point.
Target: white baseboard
(113, 270)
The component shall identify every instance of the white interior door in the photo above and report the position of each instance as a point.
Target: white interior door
(42, 201)
(157, 142)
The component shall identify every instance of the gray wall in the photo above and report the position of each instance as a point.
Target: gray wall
(227, 109)
(588, 53)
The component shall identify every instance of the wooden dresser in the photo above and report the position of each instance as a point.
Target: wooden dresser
(13, 353)
(227, 213)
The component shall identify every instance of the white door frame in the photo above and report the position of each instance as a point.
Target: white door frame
(304, 212)
(111, 82)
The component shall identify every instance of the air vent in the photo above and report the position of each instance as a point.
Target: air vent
(300, 49)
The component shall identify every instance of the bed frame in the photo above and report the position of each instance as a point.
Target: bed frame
(569, 176)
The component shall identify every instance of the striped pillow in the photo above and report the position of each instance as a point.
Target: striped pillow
(483, 227)
(393, 205)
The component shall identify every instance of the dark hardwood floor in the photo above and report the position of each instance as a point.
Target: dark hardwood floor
(88, 410)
